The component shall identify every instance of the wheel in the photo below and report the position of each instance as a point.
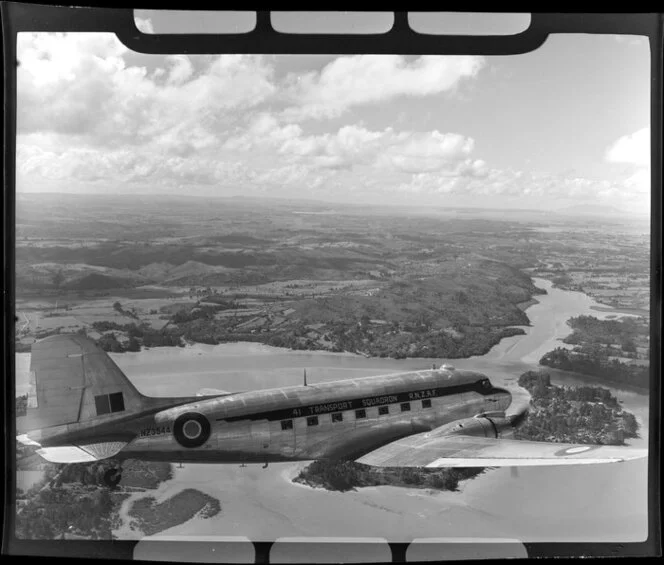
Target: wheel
(112, 478)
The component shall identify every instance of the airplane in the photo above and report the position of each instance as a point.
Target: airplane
(82, 408)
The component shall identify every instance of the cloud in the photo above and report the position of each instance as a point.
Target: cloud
(181, 69)
(144, 25)
(633, 149)
(81, 85)
(633, 152)
(93, 116)
(362, 79)
(354, 145)
(524, 189)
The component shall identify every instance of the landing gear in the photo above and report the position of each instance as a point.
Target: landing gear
(112, 478)
(265, 466)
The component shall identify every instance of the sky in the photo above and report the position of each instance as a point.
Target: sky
(564, 126)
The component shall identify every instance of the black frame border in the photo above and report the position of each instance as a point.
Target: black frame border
(400, 39)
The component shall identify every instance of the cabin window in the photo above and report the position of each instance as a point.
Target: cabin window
(382, 410)
(117, 402)
(107, 403)
(286, 424)
(312, 421)
(359, 414)
(337, 417)
(102, 404)
(426, 403)
(405, 407)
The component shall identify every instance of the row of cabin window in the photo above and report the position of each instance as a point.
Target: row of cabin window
(359, 414)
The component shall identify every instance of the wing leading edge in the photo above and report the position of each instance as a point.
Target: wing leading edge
(429, 450)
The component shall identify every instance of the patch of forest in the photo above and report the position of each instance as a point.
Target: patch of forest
(624, 333)
(601, 347)
(595, 362)
(453, 316)
(344, 476)
(573, 414)
(72, 500)
(152, 517)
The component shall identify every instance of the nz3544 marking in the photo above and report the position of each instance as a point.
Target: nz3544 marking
(148, 432)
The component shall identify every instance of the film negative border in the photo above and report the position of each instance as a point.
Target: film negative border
(264, 39)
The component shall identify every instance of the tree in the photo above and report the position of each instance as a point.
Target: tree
(630, 425)
(629, 346)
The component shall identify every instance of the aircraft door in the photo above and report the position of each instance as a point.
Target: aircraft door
(260, 435)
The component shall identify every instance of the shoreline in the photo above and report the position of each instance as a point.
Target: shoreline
(523, 306)
(229, 360)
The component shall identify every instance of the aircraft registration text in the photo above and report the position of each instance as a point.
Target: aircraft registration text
(148, 432)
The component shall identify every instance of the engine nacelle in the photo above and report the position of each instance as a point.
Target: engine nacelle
(482, 426)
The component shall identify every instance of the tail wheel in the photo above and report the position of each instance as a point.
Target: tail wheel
(191, 429)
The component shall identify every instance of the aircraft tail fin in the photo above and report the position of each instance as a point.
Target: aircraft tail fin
(73, 380)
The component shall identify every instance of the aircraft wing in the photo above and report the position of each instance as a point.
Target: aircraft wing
(429, 450)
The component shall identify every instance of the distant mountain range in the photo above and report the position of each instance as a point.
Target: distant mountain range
(595, 210)
(307, 205)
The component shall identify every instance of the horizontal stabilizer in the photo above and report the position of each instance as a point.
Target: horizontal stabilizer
(82, 453)
(429, 450)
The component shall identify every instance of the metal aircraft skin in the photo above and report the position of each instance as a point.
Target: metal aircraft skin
(82, 408)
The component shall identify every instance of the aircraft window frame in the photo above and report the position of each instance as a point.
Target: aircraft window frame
(360, 414)
(383, 410)
(312, 421)
(286, 425)
(426, 403)
(337, 417)
(405, 406)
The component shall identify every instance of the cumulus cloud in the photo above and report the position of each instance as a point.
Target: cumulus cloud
(523, 188)
(80, 84)
(144, 25)
(93, 116)
(353, 145)
(633, 153)
(633, 149)
(362, 79)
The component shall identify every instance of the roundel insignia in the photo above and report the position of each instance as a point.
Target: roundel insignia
(191, 429)
(575, 450)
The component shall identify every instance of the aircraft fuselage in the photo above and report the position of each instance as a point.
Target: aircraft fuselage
(342, 419)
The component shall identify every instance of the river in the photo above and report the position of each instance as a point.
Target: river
(573, 503)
